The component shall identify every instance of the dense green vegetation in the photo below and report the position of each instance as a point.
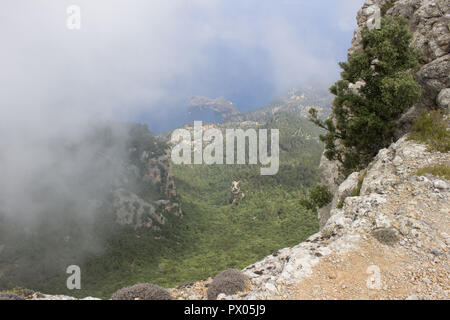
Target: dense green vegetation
(364, 120)
(213, 234)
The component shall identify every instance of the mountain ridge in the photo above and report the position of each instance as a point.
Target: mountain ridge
(296, 101)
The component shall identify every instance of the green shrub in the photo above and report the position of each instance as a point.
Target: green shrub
(142, 291)
(438, 171)
(365, 121)
(228, 282)
(432, 128)
(320, 196)
(10, 296)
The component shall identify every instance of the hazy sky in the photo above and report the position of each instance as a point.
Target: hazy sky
(143, 59)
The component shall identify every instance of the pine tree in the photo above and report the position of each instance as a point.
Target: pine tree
(363, 120)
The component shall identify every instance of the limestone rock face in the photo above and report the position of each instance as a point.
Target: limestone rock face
(143, 211)
(323, 214)
(429, 23)
(131, 209)
(434, 77)
(345, 189)
(329, 174)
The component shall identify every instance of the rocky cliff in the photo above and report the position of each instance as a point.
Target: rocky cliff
(429, 23)
(153, 199)
(144, 191)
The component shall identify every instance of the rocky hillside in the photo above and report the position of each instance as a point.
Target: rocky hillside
(385, 235)
(296, 101)
(429, 24)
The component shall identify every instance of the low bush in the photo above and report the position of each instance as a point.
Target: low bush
(320, 196)
(142, 291)
(228, 282)
(386, 236)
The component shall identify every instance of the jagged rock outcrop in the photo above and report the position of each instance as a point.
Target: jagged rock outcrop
(434, 77)
(158, 196)
(429, 23)
(346, 189)
(330, 177)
